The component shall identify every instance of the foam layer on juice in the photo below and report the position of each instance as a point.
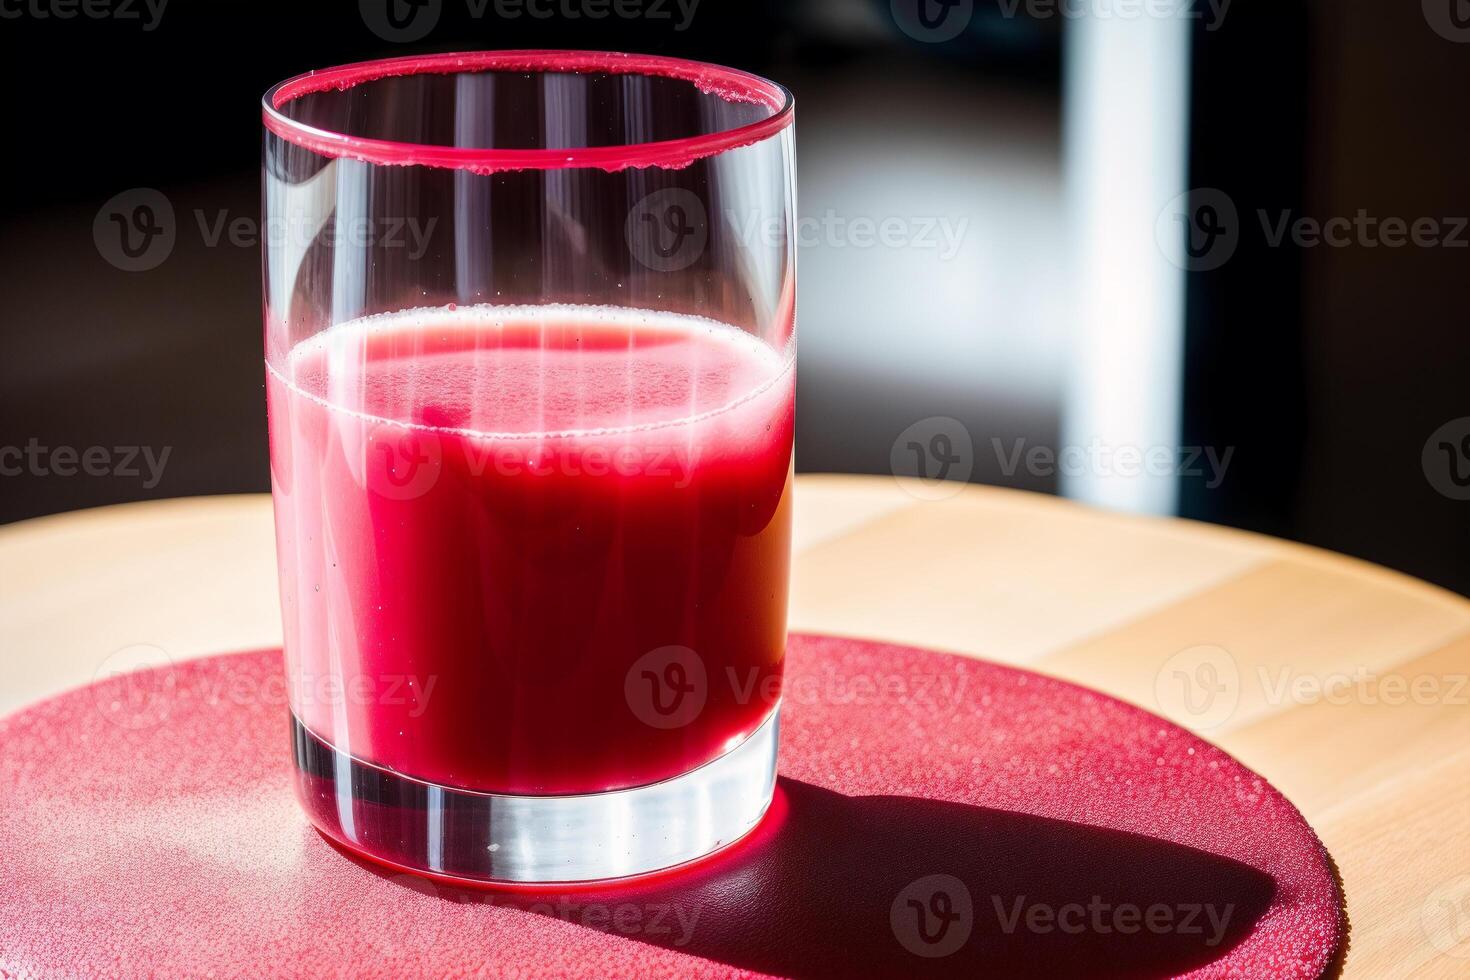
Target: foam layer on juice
(534, 372)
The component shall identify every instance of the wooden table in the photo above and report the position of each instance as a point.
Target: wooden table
(1343, 683)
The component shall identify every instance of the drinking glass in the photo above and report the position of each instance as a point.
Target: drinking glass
(529, 350)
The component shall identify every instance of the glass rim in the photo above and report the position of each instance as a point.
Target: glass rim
(730, 84)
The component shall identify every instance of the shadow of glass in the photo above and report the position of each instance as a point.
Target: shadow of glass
(840, 886)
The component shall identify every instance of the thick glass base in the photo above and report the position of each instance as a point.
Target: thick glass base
(457, 833)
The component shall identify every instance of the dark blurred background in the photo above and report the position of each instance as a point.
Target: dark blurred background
(1331, 369)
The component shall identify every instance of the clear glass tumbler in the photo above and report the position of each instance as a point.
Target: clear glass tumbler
(530, 344)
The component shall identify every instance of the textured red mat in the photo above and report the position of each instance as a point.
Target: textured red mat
(935, 815)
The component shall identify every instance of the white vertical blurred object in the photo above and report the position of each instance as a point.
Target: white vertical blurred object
(1125, 157)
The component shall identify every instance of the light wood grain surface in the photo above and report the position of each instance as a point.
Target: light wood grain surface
(1346, 685)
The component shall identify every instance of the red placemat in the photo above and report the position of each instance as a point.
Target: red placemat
(935, 814)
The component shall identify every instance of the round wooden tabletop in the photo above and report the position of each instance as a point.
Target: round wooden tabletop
(1345, 685)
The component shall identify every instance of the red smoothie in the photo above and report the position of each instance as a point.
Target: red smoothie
(533, 550)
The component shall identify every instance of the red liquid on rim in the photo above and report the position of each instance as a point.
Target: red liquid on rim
(533, 550)
(728, 84)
